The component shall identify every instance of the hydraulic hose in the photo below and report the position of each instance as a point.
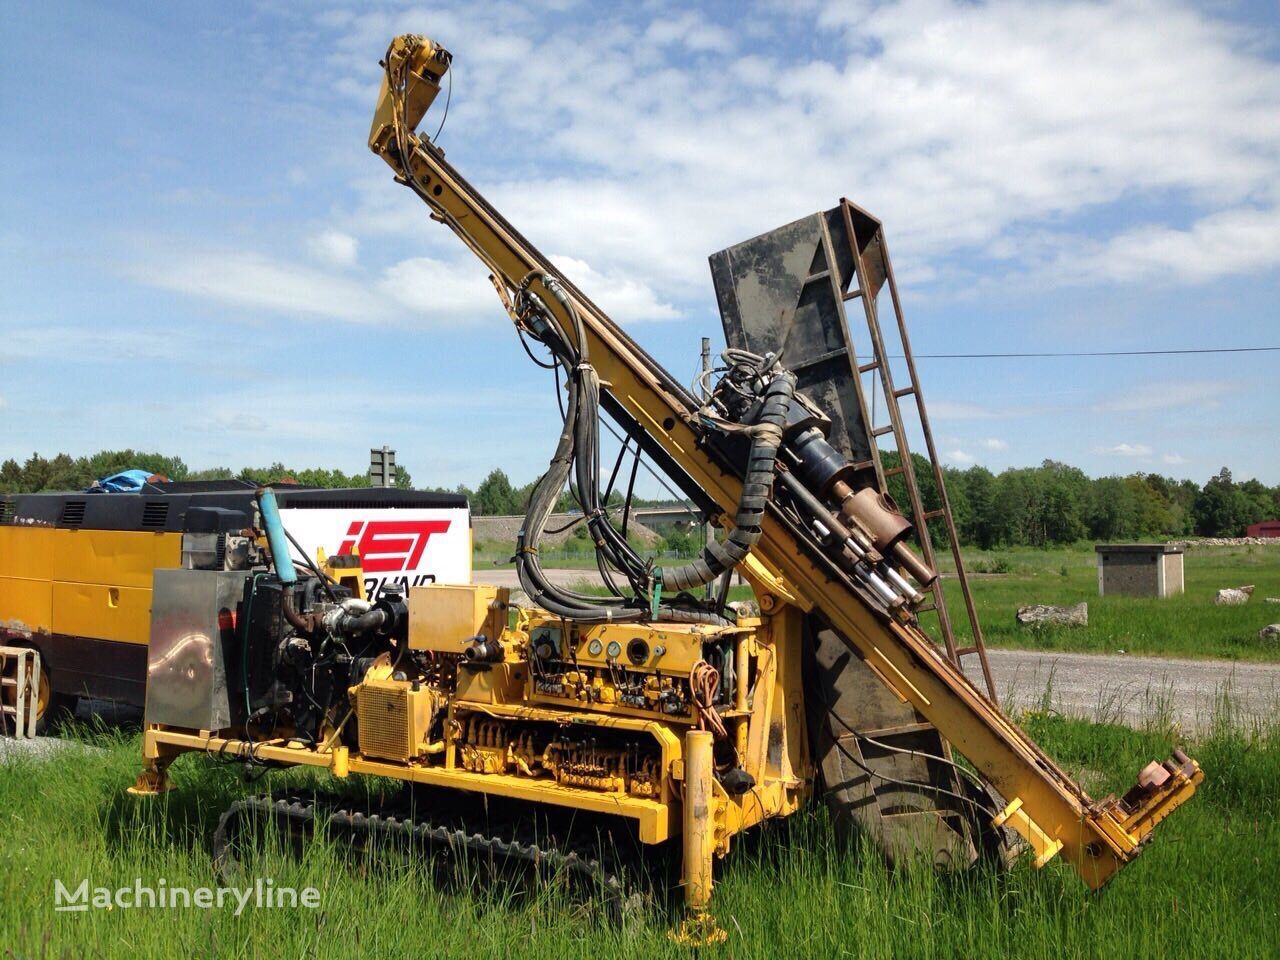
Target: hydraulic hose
(281, 560)
(355, 624)
(766, 438)
(577, 455)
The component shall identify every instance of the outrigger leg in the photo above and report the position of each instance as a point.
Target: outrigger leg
(699, 927)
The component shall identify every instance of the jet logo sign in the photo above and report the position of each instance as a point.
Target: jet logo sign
(390, 546)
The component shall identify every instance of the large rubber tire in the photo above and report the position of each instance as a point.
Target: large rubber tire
(998, 846)
(58, 709)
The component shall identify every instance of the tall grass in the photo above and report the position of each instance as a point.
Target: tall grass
(1205, 887)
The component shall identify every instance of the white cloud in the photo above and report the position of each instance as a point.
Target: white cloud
(964, 126)
(1237, 241)
(692, 31)
(420, 291)
(992, 443)
(959, 456)
(1173, 459)
(625, 299)
(95, 344)
(256, 282)
(334, 248)
(440, 293)
(1126, 450)
(1163, 395)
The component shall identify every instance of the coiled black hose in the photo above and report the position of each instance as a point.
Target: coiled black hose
(766, 438)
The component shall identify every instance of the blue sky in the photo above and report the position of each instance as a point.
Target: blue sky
(199, 255)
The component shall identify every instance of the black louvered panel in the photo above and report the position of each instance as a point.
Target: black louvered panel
(155, 513)
(72, 513)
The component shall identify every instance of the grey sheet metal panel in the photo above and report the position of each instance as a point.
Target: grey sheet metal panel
(778, 292)
(192, 620)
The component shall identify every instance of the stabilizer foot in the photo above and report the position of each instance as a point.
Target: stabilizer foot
(151, 783)
(698, 930)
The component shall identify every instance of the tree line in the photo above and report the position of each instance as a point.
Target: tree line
(496, 496)
(64, 472)
(1053, 503)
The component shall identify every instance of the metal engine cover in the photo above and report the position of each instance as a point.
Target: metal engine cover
(194, 614)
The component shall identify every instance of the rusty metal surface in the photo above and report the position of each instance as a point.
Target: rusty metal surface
(885, 787)
(785, 292)
(777, 292)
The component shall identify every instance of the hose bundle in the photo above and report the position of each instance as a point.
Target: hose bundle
(704, 684)
(577, 456)
(757, 485)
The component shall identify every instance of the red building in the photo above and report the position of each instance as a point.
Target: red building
(1267, 528)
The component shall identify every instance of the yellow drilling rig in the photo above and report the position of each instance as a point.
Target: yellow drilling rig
(657, 707)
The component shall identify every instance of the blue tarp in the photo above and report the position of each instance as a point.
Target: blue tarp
(127, 481)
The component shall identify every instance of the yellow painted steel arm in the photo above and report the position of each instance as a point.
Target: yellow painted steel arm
(1045, 805)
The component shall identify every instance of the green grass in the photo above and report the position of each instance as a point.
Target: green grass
(1190, 625)
(1204, 888)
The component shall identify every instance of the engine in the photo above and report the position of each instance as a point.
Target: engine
(305, 644)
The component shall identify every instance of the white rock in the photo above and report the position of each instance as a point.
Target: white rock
(1073, 616)
(1270, 632)
(1233, 596)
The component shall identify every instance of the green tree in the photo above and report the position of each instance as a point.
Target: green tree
(681, 543)
(495, 496)
(1258, 502)
(212, 473)
(10, 477)
(1221, 508)
(1161, 506)
(1114, 510)
(1064, 494)
(1014, 507)
(980, 525)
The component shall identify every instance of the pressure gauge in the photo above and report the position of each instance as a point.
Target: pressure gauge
(615, 650)
(594, 648)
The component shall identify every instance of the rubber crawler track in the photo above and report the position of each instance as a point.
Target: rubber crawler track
(297, 816)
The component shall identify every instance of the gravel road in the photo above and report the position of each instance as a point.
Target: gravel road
(1133, 690)
(41, 748)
